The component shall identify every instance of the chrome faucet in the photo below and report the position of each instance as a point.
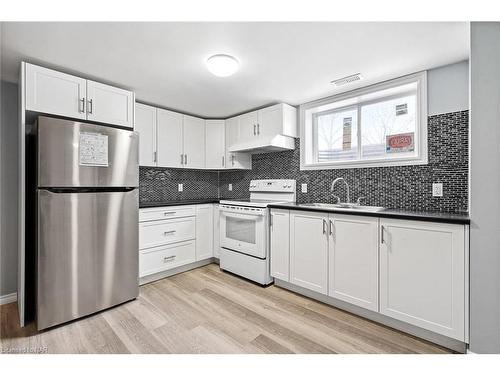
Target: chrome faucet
(346, 185)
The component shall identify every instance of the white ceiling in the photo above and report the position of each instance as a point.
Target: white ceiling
(280, 62)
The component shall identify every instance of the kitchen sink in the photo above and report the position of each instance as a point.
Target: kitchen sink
(346, 207)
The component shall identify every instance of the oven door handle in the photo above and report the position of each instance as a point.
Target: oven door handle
(242, 213)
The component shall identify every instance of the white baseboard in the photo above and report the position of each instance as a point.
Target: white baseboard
(8, 298)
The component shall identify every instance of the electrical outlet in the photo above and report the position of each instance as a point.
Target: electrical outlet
(303, 188)
(230, 187)
(437, 189)
(181, 187)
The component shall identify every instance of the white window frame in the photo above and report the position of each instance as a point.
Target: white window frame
(308, 157)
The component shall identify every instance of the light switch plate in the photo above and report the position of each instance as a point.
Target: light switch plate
(230, 187)
(303, 188)
(181, 187)
(437, 189)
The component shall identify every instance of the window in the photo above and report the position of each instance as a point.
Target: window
(381, 125)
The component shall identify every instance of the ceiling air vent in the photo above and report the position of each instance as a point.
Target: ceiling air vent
(348, 79)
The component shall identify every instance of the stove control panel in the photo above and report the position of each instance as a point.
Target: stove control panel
(273, 186)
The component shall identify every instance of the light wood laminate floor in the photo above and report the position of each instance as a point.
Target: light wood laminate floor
(209, 311)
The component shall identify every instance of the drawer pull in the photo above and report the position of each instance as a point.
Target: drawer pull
(169, 213)
(171, 258)
(169, 232)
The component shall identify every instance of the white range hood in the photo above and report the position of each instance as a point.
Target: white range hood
(265, 144)
(268, 129)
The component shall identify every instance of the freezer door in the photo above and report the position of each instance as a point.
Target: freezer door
(87, 257)
(77, 154)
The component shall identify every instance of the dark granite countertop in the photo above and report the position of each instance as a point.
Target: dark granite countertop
(390, 213)
(178, 203)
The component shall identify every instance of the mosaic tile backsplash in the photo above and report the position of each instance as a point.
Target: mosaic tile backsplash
(161, 184)
(404, 187)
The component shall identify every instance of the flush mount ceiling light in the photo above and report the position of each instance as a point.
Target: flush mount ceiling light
(222, 65)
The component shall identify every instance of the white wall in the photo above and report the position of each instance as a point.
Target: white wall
(9, 188)
(448, 88)
(485, 188)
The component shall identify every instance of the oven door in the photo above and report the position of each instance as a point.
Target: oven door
(243, 229)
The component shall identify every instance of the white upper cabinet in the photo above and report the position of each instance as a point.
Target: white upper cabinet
(279, 119)
(268, 129)
(280, 244)
(53, 92)
(145, 124)
(204, 231)
(110, 105)
(422, 275)
(309, 250)
(215, 147)
(169, 139)
(353, 260)
(247, 127)
(235, 160)
(194, 142)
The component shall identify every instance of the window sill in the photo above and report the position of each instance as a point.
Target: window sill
(365, 164)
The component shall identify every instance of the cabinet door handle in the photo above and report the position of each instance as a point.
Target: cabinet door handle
(90, 106)
(382, 239)
(258, 128)
(154, 156)
(83, 105)
(254, 133)
(331, 229)
(222, 160)
(324, 226)
(185, 159)
(232, 159)
(169, 259)
(182, 159)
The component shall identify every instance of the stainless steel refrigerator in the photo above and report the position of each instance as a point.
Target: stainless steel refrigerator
(87, 219)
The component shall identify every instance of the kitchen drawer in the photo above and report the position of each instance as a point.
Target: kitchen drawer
(160, 213)
(162, 232)
(162, 258)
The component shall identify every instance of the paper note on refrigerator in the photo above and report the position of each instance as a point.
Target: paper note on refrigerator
(93, 149)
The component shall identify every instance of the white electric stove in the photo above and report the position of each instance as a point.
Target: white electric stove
(244, 229)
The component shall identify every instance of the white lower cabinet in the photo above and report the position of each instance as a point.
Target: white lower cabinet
(309, 250)
(412, 271)
(280, 244)
(204, 231)
(422, 275)
(174, 236)
(216, 231)
(353, 260)
(163, 258)
(155, 233)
